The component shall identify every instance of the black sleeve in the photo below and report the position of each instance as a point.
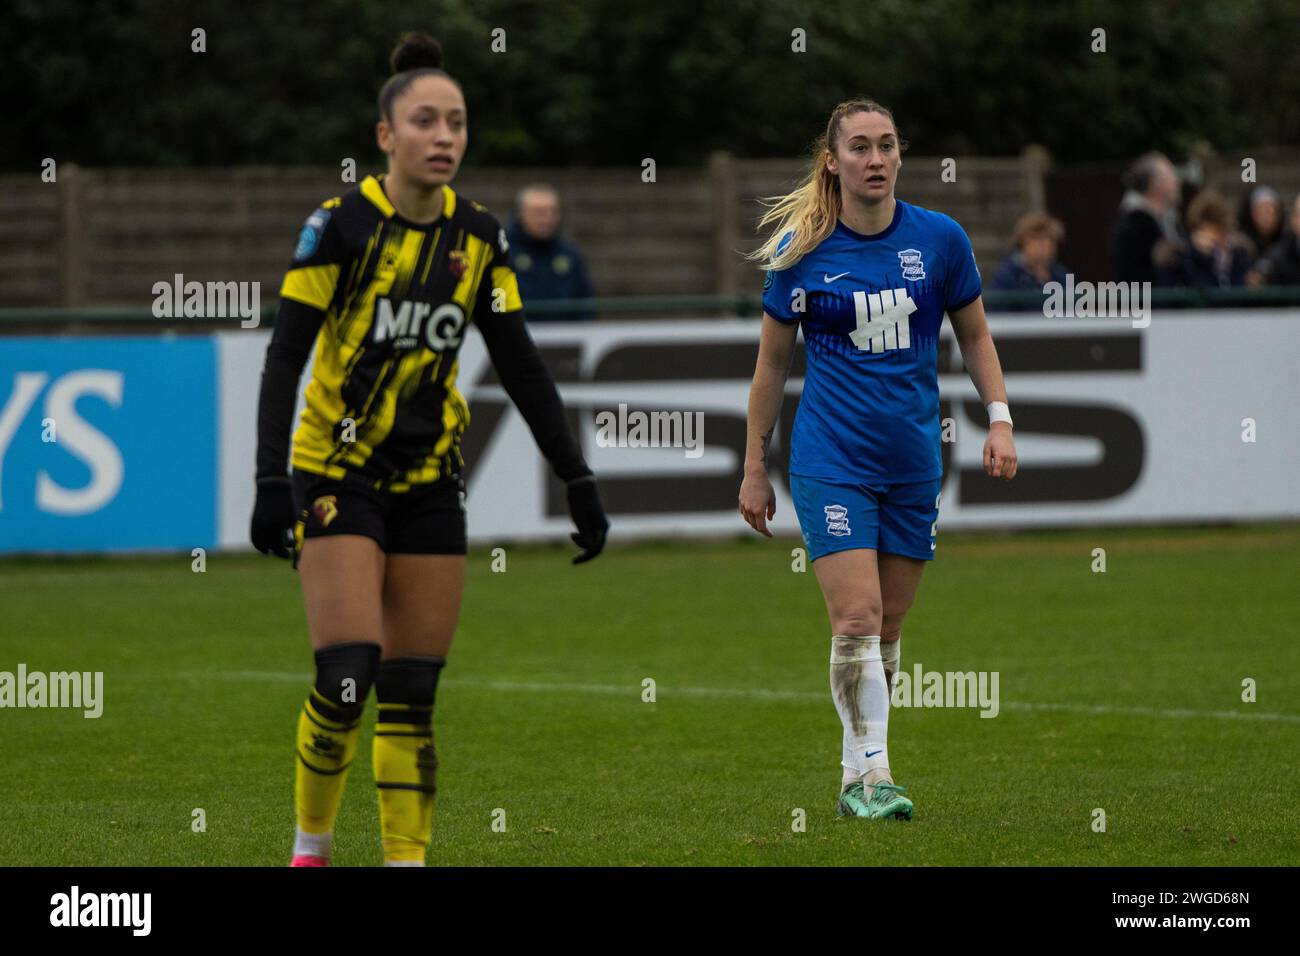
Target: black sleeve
(529, 384)
(296, 328)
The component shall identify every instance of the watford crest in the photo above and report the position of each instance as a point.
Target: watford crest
(325, 508)
(456, 262)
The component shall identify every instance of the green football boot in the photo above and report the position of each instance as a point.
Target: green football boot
(853, 802)
(886, 801)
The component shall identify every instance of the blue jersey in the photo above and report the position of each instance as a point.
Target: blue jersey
(871, 307)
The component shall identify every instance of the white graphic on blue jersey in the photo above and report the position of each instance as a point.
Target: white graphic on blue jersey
(883, 322)
(869, 409)
(913, 267)
(837, 520)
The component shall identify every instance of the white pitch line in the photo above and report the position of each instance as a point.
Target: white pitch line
(1176, 712)
(762, 693)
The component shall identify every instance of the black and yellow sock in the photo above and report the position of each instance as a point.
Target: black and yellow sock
(328, 728)
(405, 760)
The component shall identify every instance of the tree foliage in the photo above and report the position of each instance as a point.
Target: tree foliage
(598, 82)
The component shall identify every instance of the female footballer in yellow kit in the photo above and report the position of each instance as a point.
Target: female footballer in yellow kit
(384, 282)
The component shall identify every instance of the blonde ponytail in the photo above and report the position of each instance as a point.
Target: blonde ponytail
(802, 219)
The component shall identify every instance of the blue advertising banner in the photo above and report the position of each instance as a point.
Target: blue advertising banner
(108, 444)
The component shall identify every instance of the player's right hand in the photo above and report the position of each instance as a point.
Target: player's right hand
(273, 517)
(757, 501)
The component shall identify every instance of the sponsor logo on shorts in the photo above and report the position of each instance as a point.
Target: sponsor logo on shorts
(837, 520)
(326, 509)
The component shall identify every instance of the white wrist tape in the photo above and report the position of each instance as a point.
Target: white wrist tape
(999, 412)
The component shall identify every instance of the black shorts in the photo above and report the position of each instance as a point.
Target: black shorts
(427, 519)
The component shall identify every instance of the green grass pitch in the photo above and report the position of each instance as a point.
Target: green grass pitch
(1119, 690)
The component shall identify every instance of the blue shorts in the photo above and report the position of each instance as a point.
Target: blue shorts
(893, 519)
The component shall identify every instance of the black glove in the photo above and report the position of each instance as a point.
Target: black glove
(588, 516)
(273, 517)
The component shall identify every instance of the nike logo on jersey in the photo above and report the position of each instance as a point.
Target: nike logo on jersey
(830, 279)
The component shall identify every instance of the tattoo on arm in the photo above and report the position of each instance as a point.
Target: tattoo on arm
(767, 441)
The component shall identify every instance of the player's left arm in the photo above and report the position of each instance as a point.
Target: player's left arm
(981, 358)
(500, 318)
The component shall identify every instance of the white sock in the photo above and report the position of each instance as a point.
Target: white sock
(403, 863)
(313, 844)
(889, 655)
(862, 700)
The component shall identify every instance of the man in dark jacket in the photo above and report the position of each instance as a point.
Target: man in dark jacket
(1146, 243)
(547, 264)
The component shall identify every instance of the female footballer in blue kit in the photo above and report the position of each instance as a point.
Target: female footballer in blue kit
(869, 278)
(383, 285)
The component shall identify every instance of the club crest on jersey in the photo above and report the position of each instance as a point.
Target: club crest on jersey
(408, 324)
(457, 261)
(326, 509)
(913, 267)
(837, 520)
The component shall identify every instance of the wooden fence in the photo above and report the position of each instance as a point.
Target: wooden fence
(103, 237)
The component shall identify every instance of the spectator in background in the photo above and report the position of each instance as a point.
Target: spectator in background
(1147, 241)
(547, 264)
(1262, 219)
(1281, 264)
(1032, 264)
(1215, 255)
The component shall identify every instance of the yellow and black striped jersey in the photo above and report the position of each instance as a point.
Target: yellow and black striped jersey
(397, 298)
